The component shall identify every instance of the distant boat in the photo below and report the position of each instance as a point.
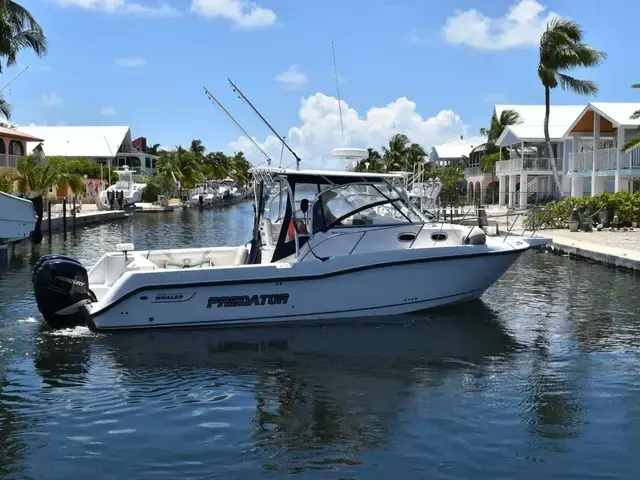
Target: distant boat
(131, 192)
(17, 218)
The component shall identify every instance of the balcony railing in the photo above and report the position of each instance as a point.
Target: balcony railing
(12, 160)
(527, 164)
(606, 159)
(473, 172)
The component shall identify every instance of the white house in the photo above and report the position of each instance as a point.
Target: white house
(450, 153)
(110, 145)
(528, 174)
(596, 160)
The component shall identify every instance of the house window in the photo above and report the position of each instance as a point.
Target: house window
(147, 162)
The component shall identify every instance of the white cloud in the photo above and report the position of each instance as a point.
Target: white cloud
(107, 111)
(157, 9)
(319, 131)
(292, 77)
(522, 26)
(131, 62)
(242, 13)
(51, 100)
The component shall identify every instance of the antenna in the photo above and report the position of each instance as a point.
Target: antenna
(237, 90)
(335, 69)
(16, 76)
(214, 99)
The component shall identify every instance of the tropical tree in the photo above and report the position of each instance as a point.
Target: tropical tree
(562, 49)
(373, 163)
(5, 108)
(153, 149)
(507, 118)
(415, 156)
(197, 147)
(36, 177)
(18, 31)
(396, 153)
(7, 177)
(240, 169)
(635, 141)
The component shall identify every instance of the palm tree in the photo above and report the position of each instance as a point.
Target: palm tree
(35, 177)
(7, 178)
(562, 49)
(507, 118)
(5, 108)
(153, 149)
(635, 141)
(415, 156)
(395, 155)
(19, 30)
(197, 147)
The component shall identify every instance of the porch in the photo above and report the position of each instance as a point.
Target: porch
(13, 145)
(597, 162)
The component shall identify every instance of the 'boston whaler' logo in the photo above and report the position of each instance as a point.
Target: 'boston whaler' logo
(172, 297)
(249, 301)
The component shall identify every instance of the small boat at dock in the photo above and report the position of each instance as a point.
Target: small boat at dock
(17, 218)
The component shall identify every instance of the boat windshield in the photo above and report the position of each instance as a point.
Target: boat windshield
(360, 204)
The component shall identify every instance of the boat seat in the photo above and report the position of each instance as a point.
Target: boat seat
(242, 255)
(141, 264)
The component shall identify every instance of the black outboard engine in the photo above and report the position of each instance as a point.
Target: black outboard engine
(201, 200)
(36, 235)
(61, 287)
(110, 198)
(120, 198)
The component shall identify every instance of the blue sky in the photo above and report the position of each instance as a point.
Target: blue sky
(143, 63)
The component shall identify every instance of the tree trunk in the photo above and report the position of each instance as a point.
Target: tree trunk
(552, 158)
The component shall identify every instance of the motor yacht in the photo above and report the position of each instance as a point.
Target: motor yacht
(125, 192)
(326, 246)
(17, 218)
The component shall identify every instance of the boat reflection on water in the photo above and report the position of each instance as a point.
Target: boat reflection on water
(328, 393)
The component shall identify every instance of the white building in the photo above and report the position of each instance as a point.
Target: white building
(594, 140)
(111, 145)
(527, 176)
(450, 153)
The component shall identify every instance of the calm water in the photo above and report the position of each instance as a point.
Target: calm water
(541, 379)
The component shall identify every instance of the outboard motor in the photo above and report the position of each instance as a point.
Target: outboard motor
(61, 287)
(201, 200)
(36, 235)
(120, 198)
(110, 198)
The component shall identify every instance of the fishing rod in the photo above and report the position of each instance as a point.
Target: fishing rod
(215, 100)
(242, 97)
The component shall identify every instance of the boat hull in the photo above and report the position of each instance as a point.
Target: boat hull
(390, 289)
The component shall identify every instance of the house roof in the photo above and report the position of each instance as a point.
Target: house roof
(531, 128)
(451, 150)
(617, 113)
(68, 141)
(8, 132)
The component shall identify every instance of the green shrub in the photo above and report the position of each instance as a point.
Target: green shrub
(151, 191)
(557, 214)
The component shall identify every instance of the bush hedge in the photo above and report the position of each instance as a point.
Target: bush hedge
(557, 214)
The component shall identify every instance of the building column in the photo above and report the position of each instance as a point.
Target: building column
(619, 153)
(512, 191)
(501, 190)
(523, 189)
(596, 144)
(577, 187)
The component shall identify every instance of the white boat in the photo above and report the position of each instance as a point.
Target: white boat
(131, 192)
(332, 245)
(17, 218)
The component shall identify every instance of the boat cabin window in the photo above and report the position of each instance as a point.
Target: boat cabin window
(360, 204)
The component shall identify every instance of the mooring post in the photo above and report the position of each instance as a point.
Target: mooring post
(64, 214)
(49, 214)
(74, 212)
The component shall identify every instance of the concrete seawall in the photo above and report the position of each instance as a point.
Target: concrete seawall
(82, 219)
(616, 249)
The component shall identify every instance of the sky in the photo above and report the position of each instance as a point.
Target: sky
(430, 69)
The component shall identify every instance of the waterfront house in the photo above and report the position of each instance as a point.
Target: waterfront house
(595, 139)
(477, 179)
(13, 145)
(108, 145)
(527, 176)
(450, 153)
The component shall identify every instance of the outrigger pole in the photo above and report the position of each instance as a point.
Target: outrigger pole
(242, 97)
(215, 100)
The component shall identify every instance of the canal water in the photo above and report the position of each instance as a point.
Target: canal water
(540, 379)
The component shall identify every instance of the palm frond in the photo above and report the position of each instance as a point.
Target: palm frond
(635, 115)
(570, 28)
(581, 87)
(5, 108)
(631, 144)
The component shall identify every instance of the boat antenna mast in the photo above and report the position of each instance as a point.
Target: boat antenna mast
(215, 100)
(242, 97)
(335, 70)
